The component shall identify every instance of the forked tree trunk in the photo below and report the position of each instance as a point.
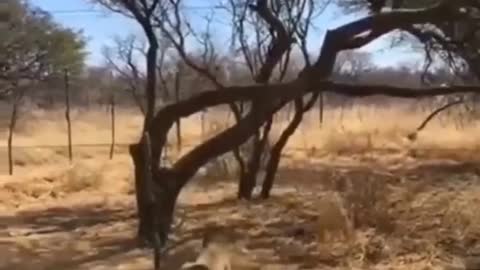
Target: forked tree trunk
(248, 180)
(238, 110)
(276, 152)
(144, 230)
(156, 200)
(169, 182)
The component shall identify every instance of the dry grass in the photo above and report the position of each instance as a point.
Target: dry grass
(355, 193)
(356, 130)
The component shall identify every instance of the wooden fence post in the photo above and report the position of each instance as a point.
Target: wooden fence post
(11, 127)
(112, 115)
(320, 108)
(67, 115)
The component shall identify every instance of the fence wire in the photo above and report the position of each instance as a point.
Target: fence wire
(66, 145)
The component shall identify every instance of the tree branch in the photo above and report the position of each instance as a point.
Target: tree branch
(346, 36)
(167, 116)
(412, 136)
(280, 43)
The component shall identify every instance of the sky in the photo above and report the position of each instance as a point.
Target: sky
(100, 26)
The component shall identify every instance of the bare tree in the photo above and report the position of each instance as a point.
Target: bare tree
(267, 99)
(121, 58)
(143, 12)
(265, 33)
(29, 54)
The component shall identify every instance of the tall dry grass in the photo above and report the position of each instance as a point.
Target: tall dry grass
(354, 130)
(357, 129)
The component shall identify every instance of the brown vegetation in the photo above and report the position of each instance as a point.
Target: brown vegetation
(341, 201)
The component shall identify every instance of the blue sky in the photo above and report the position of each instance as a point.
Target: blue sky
(100, 27)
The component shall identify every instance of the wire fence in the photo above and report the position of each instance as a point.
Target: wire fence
(20, 150)
(125, 144)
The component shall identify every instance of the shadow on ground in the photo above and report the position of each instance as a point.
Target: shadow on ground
(282, 230)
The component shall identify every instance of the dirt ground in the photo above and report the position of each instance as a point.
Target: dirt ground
(323, 215)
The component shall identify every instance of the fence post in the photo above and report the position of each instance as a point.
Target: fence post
(67, 114)
(11, 127)
(112, 121)
(320, 108)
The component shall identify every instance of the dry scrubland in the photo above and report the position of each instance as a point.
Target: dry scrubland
(412, 203)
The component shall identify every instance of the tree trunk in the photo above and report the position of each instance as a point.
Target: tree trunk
(17, 98)
(145, 229)
(11, 128)
(238, 110)
(248, 180)
(262, 110)
(276, 152)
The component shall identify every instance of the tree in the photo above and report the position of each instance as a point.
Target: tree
(143, 11)
(121, 58)
(34, 48)
(452, 44)
(266, 99)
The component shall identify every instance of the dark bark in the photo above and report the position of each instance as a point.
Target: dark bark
(150, 87)
(237, 155)
(276, 152)
(144, 230)
(280, 45)
(248, 181)
(144, 208)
